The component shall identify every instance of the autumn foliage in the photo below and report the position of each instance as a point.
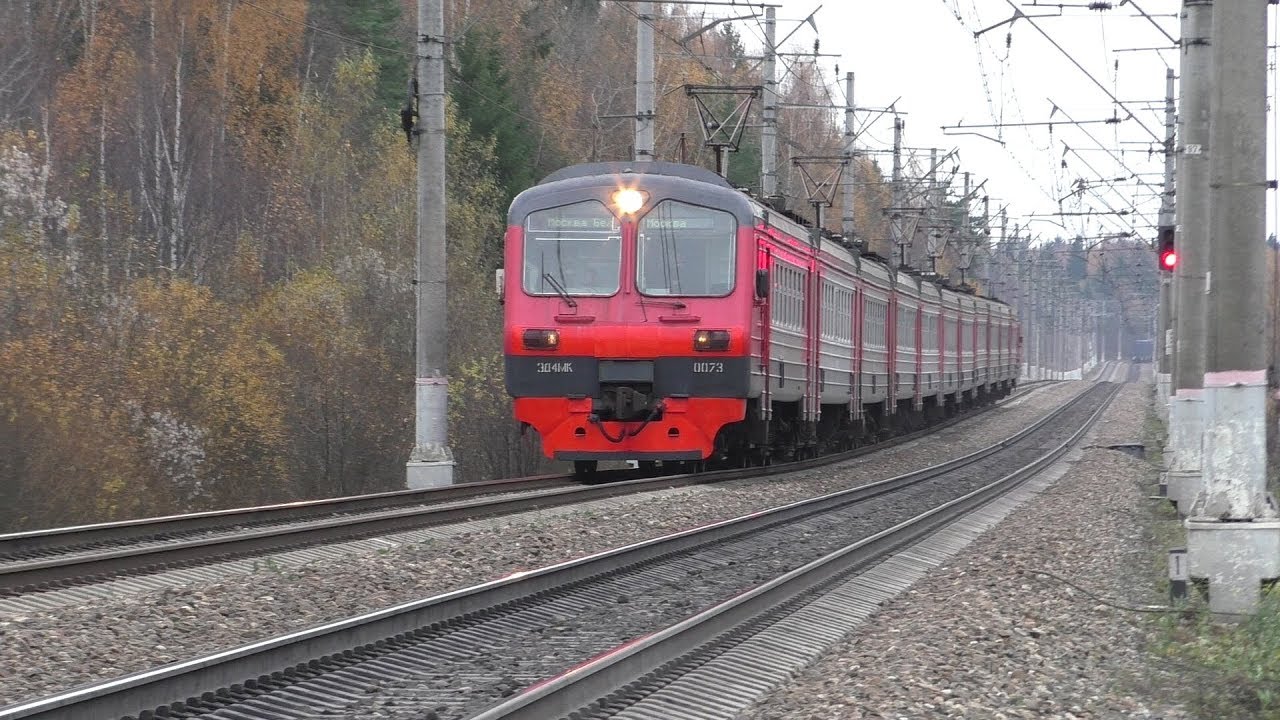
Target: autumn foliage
(207, 225)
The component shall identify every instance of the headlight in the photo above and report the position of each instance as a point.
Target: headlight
(628, 201)
(711, 340)
(541, 339)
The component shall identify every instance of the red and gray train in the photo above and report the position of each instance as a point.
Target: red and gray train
(655, 313)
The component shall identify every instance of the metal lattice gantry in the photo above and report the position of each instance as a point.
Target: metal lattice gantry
(821, 176)
(722, 129)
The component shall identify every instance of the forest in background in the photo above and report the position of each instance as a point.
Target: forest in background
(207, 231)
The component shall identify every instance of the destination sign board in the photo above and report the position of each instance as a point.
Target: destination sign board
(691, 223)
(585, 216)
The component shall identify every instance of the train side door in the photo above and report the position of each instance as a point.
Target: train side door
(918, 337)
(891, 350)
(813, 341)
(765, 281)
(858, 297)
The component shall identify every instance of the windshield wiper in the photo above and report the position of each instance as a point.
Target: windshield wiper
(669, 303)
(560, 290)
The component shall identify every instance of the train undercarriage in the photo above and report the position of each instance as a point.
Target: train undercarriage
(785, 437)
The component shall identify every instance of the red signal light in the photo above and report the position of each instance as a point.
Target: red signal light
(1167, 254)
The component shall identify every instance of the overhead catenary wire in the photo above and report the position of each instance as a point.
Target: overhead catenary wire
(819, 76)
(718, 76)
(1057, 168)
(953, 8)
(1114, 157)
(1031, 21)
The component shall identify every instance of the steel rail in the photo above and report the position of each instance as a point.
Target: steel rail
(76, 568)
(611, 680)
(77, 536)
(296, 654)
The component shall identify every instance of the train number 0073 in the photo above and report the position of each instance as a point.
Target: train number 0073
(555, 367)
(708, 367)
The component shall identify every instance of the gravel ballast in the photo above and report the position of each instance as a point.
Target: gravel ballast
(986, 636)
(499, 652)
(41, 653)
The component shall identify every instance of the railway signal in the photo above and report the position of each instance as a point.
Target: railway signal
(1168, 255)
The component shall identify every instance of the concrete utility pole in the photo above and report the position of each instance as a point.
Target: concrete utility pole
(966, 237)
(924, 260)
(982, 248)
(1186, 422)
(996, 260)
(1233, 536)
(847, 189)
(769, 110)
(1063, 319)
(645, 109)
(1164, 334)
(899, 249)
(431, 462)
(1035, 326)
(1053, 295)
(1025, 304)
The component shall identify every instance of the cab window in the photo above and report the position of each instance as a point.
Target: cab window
(576, 247)
(685, 250)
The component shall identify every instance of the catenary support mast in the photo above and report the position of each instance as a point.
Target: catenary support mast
(431, 462)
(1233, 536)
(899, 249)
(769, 108)
(1186, 424)
(1164, 339)
(645, 110)
(846, 210)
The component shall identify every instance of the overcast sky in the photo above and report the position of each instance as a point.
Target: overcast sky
(924, 52)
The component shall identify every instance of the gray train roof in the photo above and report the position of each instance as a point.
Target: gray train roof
(653, 167)
(661, 179)
(686, 178)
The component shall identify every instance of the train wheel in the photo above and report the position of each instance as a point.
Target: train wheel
(584, 468)
(649, 467)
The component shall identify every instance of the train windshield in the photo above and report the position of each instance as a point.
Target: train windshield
(685, 250)
(575, 249)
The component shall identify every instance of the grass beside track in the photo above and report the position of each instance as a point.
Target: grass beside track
(1223, 671)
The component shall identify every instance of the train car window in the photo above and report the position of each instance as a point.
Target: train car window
(686, 250)
(906, 328)
(845, 315)
(837, 313)
(875, 316)
(929, 333)
(577, 247)
(788, 297)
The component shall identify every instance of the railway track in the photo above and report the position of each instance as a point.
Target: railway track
(44, 560)
(457, 654)
(60, 557)
(715, 663)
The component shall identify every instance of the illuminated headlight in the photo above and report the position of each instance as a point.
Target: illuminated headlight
(541, 339)
(710, 340)
(629, 200)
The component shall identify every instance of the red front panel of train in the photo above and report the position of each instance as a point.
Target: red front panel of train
(626, 336)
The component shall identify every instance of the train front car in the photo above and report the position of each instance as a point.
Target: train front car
(628, 289)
